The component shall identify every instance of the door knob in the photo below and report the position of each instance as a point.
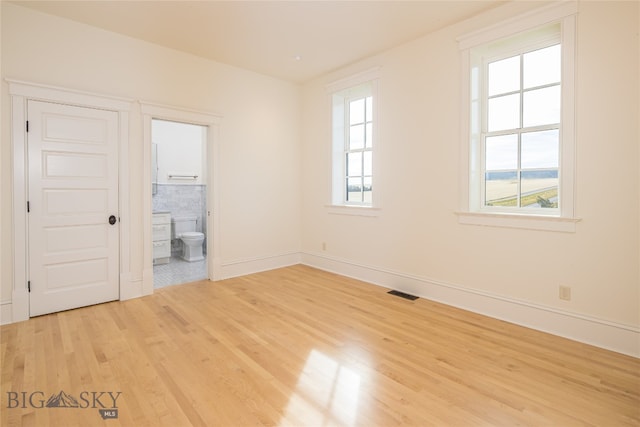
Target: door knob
(112, 219)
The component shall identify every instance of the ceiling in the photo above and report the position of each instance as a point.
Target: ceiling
(291, 40)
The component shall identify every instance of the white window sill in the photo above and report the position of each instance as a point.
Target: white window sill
(524, 221)
(353, 210)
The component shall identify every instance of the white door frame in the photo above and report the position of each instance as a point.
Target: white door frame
(212, 122)
(21, 92)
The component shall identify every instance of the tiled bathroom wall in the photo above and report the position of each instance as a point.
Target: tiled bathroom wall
(182, 200)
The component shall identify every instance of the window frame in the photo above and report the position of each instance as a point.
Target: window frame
(472, 209)
(519, 50)
(341, 93)
(348, 149)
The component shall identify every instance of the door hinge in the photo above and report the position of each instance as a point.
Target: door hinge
(28, 207)
(29, 286)
(27, 125)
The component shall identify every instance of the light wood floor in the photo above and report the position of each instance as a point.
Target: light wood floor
(297, 346)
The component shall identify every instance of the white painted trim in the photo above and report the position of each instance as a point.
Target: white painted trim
(146, 285)
(147, 205)
(353, 210)
(167, 112)
(602, 333)
(123, 201)
(37, 91)
(19, 237)
(471, 212)
(212, 122)
(354, 80)
(129, 287)
(568, 126)
(20, 92)
(241, 267)
(6, 311)
(363, 83)
(528, 222)
(214, 266)
(523, 22)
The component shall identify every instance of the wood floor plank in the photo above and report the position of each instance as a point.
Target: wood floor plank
(302, 347)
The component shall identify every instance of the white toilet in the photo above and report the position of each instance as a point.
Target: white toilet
(184, 228)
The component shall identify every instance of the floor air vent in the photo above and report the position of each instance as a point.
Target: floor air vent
(403, 295)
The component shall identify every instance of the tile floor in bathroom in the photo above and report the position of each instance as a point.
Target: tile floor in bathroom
(178, 271)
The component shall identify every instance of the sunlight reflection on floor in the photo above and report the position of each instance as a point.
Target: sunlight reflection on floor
(326, 394)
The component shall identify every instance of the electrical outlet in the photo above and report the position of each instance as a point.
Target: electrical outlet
(324, 246)
(565, 293)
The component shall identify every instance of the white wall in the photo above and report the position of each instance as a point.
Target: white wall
(5, 225)
(416, 242)
(259, 132)
(180, 150)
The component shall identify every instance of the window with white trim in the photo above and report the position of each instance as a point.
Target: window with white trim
(353, 125)
(518, 142)
(520, 136)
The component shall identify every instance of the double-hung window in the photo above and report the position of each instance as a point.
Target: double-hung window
(353, 141)
(520, 139)
(518, 121)
(358, 150)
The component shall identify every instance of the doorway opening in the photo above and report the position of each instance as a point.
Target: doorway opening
(179, 202)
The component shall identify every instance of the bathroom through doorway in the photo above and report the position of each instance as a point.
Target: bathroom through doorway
(179, 202)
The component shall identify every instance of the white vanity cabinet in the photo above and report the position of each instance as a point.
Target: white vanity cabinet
(161, 237)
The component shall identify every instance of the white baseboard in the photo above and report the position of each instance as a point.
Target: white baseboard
(609, 335)
(146, 285)
(19, 305)
(602, 333)
(130, 288)
(6, 312)
(242, 267)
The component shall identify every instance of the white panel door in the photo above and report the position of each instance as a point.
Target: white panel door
(73, 192)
